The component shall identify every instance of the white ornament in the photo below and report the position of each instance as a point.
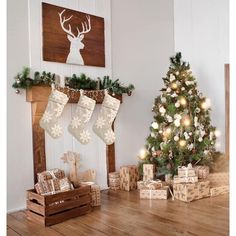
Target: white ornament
(190, 133)
(169, 118)
(168, 90)
(190, 146)
(211, 135)
(190, 92)
(202, 133)
(177, 104)
(176, 138)
(155, 125)
(174, 95)
(177, 116)
(161, 145)
(163, 99)
(162, 110)
(183, 88)
(186, 135)
(177, 72)
(172, 77)
(160, 132)
(200, 139)
(152, 134)
(177, 123)
(197, 110)
(153, 149)
(196, 121)
(206, 152)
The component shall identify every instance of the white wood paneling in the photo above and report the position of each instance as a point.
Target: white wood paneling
(93, 155)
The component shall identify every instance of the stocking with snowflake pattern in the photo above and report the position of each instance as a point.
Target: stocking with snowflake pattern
(83, 113)
(49, 122)
(103, 124)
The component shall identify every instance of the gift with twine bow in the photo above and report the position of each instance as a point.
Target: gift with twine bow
(155, 190)
(201, 172)
(50, 174)
(184, 171)
(188, 192)
(192, 179)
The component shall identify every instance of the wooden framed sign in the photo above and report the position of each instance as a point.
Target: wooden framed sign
(72, 37)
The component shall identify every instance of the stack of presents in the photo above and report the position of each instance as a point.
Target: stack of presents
(54, 181)
(191, 183)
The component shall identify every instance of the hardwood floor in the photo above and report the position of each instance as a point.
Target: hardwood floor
(123, 213)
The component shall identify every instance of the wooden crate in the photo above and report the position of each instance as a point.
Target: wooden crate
(53, 209)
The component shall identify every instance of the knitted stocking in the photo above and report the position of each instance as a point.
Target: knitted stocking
(49, 122)
(81, 117)
(108, 112)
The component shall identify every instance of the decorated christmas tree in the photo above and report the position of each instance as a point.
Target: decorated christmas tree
(181, 132)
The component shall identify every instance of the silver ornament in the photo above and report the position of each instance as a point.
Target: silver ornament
(17, 91)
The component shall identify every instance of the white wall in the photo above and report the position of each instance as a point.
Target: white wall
(142, 42)
(19, 137)
(202, 35)
(25, 48)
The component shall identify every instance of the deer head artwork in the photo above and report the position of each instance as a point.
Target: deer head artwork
(74, 56)
(72, 158)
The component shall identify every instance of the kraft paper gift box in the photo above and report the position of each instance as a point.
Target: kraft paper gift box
(184, 171)
(53, 186)
(128, 177)
(114, 175)
(219, 179)
(178, 180)
(162, 193)
(151, 184)
(215, 191)
(95, 195)
(51, 174)
(148, 172)
(188, 192)
(201, 172)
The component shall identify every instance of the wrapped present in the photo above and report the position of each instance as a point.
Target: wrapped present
(95, 195)
(114, 175)
(188, 192)
(53, 186)
(215, 191)
(201, 172)
(192, 179)
(51, 174)
(114, 187)
(151, 184)
(128, 177)
(184, 171)
(114, 182)
(162, 193)
(218, 179)
(148, 172)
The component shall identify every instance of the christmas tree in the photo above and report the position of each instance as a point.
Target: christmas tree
(181, 132)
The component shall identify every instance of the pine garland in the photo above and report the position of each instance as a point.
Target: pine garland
(23, 81)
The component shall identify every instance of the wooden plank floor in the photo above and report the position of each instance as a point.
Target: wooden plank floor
(123, 213)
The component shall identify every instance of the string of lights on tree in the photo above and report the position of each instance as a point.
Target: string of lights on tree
(181, 132)
(75, 82)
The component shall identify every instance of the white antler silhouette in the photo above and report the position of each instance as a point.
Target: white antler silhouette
(62, 22)
(85, 28)
(76, 44)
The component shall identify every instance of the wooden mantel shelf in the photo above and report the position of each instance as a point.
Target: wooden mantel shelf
(38, 96)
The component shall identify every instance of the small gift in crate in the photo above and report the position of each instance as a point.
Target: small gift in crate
(184, 171)
(56, 208)
(201, 172)
(114, 180)
(51, 174)
(128, 177)
(192, 179)
(188, 192)
(148, 172)
(53, 186)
